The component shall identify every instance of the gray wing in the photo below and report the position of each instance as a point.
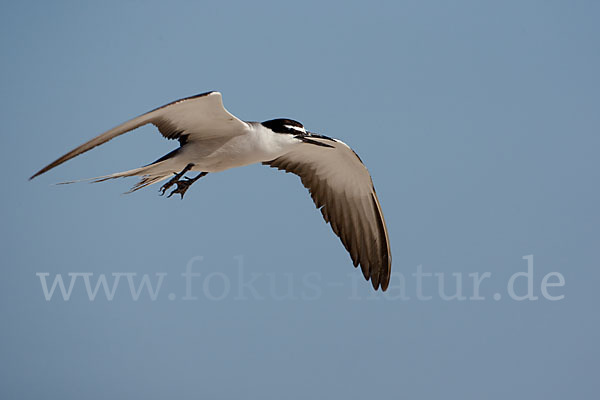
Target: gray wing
(198, 117)
(341, 187)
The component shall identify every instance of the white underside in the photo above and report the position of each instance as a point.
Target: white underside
(257, 144)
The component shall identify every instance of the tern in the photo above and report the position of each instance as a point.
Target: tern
(213, 140)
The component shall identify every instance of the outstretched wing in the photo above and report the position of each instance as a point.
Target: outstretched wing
(198, 117)
(341, 187)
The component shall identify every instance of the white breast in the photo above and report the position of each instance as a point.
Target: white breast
(257, 144)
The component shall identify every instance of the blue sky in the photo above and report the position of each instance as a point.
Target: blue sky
(479, 124)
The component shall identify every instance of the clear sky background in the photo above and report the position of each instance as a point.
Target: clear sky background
(478, 121)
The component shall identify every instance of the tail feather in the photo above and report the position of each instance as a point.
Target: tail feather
(146, 181)
(150, 174)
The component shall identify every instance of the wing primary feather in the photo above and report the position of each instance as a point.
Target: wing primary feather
(341, 188)
(192, 118)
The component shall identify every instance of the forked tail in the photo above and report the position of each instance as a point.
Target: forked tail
(150, 174)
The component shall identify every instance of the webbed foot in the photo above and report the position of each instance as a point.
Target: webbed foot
(183, 185)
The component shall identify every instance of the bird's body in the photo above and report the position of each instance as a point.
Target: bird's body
(213, 140)
(255, 144)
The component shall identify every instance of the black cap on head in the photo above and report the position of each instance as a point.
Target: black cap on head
(283, 125)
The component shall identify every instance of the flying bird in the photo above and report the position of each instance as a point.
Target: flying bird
(212, 140)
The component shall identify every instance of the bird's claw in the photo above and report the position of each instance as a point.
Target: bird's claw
(174, 180)
(171, 182)
(182, 184)
(165, 187)
(182, 187)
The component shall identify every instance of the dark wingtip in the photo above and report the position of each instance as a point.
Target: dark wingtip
(382, 280)
(374, 283)
(41, 171)
(380, 284)
(384, 285)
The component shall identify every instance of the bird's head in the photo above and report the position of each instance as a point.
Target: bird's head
(284, 125)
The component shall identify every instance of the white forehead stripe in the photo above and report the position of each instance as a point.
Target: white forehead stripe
(296, 128)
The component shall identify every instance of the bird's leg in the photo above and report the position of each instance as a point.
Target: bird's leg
(183, 185)
(175, 179)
